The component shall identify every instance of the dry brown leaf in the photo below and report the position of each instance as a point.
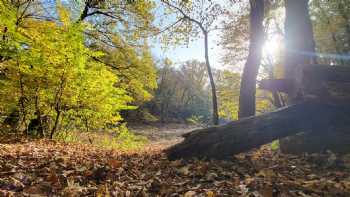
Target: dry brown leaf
(184, 170)
(266, 191)
(114, 163)
(53, 178)
(190, 194)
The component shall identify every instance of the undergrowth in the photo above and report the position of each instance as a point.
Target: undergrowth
(120, 139)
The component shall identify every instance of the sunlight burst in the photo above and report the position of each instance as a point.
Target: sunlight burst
(272, 46)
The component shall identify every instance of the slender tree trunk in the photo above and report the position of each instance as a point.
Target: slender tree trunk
(211, 79)
(40, 127)
(54, 129)
(251, 68)
(300, 42)
(22, 104)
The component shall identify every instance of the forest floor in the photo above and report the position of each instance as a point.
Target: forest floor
(50, 168)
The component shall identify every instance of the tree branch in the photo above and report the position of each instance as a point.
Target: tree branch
(185, 16)
(169, 27)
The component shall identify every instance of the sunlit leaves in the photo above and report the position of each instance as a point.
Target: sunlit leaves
(53, 73)
(228, 86)
(135, 69)
(63, 15)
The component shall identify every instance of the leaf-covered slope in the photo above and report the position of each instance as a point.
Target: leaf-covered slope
(51, 168)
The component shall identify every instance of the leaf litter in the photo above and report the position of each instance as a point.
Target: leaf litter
(49, 168)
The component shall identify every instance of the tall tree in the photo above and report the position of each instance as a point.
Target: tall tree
(199, 17)
(300, 50)
(251, 68)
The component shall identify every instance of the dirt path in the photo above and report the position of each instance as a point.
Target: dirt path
(163, 135)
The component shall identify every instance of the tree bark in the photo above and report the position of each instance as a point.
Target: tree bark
(299, 42)
(84, 14)
(251, 68)
(55, 126)
(222, 142)
(300, 48)
(211, 79)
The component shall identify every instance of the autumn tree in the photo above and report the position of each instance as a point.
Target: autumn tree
(194, 19)
(121, 29)
(49, 72)
(112, 39)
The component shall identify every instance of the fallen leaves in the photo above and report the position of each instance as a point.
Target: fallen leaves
(45, 168)
(184, 170)
(114, 163)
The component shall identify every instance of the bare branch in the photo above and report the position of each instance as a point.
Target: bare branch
(169, 27)
(185, 16)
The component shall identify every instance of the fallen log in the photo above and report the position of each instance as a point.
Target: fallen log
(222, 142)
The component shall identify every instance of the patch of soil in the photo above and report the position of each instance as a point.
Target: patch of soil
(162, 134)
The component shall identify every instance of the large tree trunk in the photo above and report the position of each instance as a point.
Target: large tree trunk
(222, 142)
(251, 68)
(299, 40)
(300, 49)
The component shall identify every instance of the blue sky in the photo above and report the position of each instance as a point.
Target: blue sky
(195, 50)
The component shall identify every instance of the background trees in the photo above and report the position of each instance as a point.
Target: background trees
(182, 93)
(195, 19)
(331, 28)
